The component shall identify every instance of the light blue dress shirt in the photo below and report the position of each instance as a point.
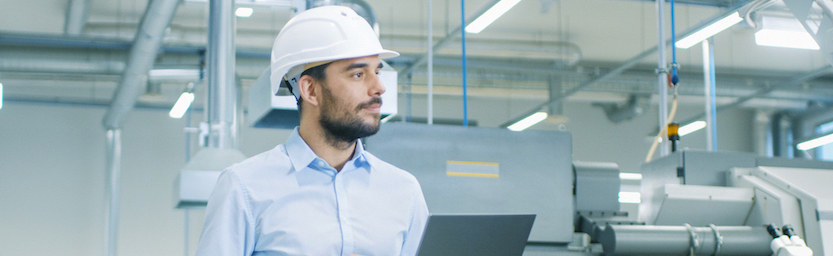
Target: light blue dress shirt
(288, 201)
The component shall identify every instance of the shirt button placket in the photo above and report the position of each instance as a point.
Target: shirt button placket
(343, 215)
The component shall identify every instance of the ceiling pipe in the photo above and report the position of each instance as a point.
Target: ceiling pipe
(621, 68)
(565, 53)
(77, 14)
(196, 180)
(635, 107)
(361, 7)
(222, 90)
(447, 39)
(78, 66)
(146, 45)
(112, 178)
(713, 3)
(762, 92)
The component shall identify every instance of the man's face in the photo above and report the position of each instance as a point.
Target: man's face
(351, 98)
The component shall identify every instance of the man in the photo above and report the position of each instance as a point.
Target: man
(320, 193)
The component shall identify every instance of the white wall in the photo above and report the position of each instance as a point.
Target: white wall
(52, 167)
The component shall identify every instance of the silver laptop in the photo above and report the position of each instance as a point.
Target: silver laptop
(480, 235)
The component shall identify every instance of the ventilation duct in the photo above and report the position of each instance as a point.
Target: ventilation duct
(635, 106)
(361, 7)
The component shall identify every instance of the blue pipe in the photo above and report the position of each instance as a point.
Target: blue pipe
(674, 78)
(463, 32)
(712, 83)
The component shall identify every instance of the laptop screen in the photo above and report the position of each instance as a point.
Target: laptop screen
(480, 235)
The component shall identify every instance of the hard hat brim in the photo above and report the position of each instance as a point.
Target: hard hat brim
(387, 54)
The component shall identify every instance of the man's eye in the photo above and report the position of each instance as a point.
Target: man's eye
(358, 75)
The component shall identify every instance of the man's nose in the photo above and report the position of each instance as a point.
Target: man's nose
(377, 88)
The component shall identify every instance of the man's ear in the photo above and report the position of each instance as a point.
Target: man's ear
(309, 89)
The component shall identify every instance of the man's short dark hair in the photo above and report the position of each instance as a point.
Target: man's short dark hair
(318, 73)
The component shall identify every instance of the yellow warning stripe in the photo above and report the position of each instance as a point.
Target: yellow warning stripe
(467, 162)
(466, 174)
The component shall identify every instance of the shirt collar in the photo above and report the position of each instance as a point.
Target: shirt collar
(302, 155)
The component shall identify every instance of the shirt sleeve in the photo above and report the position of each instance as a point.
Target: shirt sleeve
(229, 226)
(420, 216)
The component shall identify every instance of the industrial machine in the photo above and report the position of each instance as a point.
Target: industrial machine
(728, 203)
(693, 202)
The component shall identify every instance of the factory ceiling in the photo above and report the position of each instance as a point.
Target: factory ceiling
(75, 50)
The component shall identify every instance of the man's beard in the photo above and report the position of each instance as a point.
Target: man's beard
(347, 128)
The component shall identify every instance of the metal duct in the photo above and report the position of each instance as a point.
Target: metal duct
(142, 56)
(63, 66)
(565, 53)
(361, 7)
(621, 68)
(222, 92)
(794, 81)
(112, 183)
(715, 3)
(447, 39)
(77, 13)
(635, 106)
(196, 180)
(680, 240)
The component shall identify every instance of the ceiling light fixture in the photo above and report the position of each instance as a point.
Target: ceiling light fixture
(629, 197)
(1, 95)
(692, 127)
(244, 12)
(528, 121)
(630, 176)
(783, 32)
(816, 142)
(183, 103)
(709, 31)
(490, 16)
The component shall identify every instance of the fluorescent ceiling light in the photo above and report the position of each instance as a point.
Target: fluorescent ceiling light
(784, 32)
(709, 31)
(244, 12)
(490, 16)
(788, 39)
(629, 197)
(181, 105)
(692, 127)
(528, 121)
(814, 143)
(174, 74)
(630, 176)
(1, 95)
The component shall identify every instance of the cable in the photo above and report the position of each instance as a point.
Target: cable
(664, 128)
(673, 79)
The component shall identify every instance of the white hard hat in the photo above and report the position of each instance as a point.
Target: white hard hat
(320, 34)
